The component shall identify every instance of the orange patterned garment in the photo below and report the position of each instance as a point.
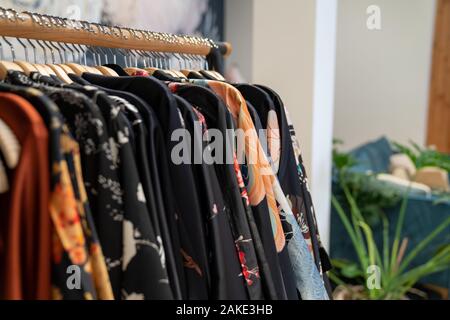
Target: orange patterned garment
(68, 211)
(260, 173)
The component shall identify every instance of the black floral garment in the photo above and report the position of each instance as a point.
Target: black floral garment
(66, 191)
(183, 192)
(251, 253)
(224, 260)
(102, 155)
(152, 165)
(290, 160)
(285, 261)
(143, 248)
(99, 172)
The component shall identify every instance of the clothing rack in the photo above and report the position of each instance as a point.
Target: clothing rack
(99, 186)
(35, 26)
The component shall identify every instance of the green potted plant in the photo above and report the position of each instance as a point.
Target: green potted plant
(382, 273)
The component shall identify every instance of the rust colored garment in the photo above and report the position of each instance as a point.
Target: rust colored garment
(24, 214)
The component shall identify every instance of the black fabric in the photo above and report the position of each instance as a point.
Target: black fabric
(207, 76)
(258, 99)
(162, 190)
(83, 119)
(225, 284)
(55, 124)
(216, 60)
(164, 76)
(141, 208)
(296, 185)
(117, 69)
(283, 256)
(171, 230)
(139, 248)
(290, 183)
(242, 218)
(184, 192)
(262, 219)
(195, 75)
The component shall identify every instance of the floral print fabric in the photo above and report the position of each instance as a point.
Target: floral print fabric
(75, 241)
(262, 179)
(138, 226)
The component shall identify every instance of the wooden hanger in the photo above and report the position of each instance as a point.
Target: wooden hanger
(6, 66)
(107, 71)
(93, 70)
(179, 74)
(213, 75)
(40, 68)
(49, 70)
(60, 73)
(27, 67)
(174, 74)
(76, 68)
(66, 69)
(80, 69)
(65, 66)
(151, 70)
(103, 69)
(170, 73)
(186, 73)
(198, 74)
(132, 71)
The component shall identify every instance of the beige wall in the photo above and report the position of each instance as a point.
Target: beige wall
(289, 46)
(382, 77)
(284, 56)
(277, 50)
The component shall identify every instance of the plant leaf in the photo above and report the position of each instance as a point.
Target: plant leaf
(398, 230)
(352, 271)
(423, 244)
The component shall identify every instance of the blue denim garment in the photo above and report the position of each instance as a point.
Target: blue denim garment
(309, 281)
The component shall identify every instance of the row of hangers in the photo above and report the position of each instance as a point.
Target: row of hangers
(61, 58)
(72, 58)
(177, 65)
(69, 58)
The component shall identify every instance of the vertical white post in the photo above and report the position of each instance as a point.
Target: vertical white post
(323, 112)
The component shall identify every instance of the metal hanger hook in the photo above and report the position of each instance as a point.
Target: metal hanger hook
(58, 50)
(34, 50)
(13, 52)
(25, 49)
(43, 50)
(51, 51)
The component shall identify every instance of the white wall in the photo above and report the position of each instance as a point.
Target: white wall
(382, 77)
(284, 48)
(277, 50)
(290, 46)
